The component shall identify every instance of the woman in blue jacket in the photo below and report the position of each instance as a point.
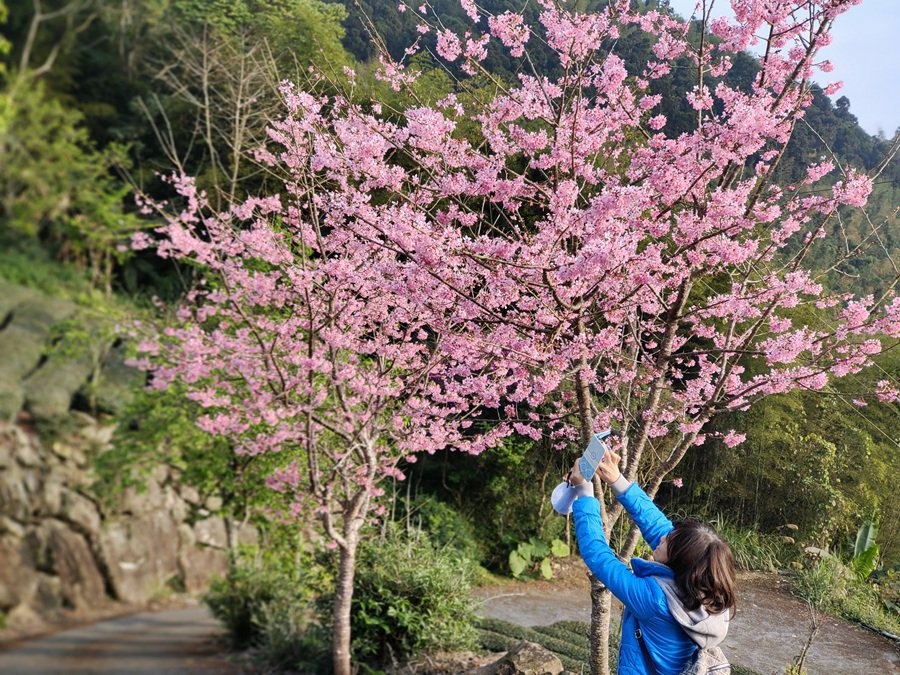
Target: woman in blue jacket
(682, 599)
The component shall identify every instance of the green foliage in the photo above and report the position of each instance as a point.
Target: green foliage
(817, 583)
(304, 31)
(445, 526)
(269, 601)
(865, 550)
(865, 563)
(831, 587)
(534, 555)
(5, 46)
(752, 550)
(24, 261)
(410, 597)
(503, 494)
(217, 68)
(811, 459)
(866, 537)
(56, 186)
(887, 583)
(432, 84)
(160, 427)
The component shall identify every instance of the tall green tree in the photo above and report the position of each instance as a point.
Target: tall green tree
(55, 185)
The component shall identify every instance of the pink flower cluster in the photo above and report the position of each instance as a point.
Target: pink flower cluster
(511, 30)
(410, 290)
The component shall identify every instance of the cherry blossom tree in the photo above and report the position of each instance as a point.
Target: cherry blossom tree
(575, 266)
(297, 346)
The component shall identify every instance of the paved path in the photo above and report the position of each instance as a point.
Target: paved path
(768, 631)
(174, 641)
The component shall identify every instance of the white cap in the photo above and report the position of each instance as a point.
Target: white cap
(562, 498)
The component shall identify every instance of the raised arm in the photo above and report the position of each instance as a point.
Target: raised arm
(652, 523)
(637, 593)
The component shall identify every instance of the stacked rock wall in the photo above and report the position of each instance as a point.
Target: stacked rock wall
(62, 552)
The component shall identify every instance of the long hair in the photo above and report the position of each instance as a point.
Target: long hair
(704, 567)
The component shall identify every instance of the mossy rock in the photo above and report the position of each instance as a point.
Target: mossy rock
(117, 384)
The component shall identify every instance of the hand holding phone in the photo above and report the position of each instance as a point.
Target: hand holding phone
(593, 454)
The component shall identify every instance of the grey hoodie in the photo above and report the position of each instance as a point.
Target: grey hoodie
(706, 629)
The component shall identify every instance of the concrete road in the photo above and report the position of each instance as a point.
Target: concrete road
(174, 641)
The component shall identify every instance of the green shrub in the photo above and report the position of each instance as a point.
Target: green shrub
(821, 584)
(445, 526)
(271, 601)
(495, 493)
(833, 588)
(410, 597)
(532, 557)
(887, 582)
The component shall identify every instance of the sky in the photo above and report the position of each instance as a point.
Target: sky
(865, 52)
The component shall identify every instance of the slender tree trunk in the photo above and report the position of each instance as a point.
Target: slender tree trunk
(601, 600)
(343, 599)
(601, 613)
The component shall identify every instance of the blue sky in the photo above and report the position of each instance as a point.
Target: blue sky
(866, 57)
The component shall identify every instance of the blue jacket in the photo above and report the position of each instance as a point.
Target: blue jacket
(645, 590)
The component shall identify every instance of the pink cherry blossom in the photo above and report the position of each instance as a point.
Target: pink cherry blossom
(448, 45)
(511, 30)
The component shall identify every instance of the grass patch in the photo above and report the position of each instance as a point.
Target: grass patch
(832, 588)
(569, 640)
(26, 263)
(752, 550)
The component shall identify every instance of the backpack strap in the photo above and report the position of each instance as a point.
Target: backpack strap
(639, 636)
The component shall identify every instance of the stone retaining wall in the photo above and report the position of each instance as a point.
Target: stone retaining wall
(61, 551)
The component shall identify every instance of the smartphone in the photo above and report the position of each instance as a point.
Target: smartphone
(594, 452)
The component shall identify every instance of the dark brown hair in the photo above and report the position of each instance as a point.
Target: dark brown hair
(704, 567)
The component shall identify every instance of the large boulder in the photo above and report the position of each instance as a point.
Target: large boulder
(22, 342)
(118, 382)
(211, 532)
(526, 658)
(199, 565)
(18, 575)
(15, 499)
(203, 553)
(11, 296)
(81, 513)
(142, 554)
(66, 556)
(50, 390)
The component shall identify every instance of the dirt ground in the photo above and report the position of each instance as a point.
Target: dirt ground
(767, 633)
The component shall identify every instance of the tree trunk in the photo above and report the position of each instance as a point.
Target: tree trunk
(601, 600)
(343, 598)
(601, 613)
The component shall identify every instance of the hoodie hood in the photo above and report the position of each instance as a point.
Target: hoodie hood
(706, 629)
